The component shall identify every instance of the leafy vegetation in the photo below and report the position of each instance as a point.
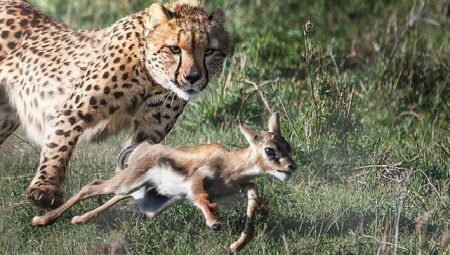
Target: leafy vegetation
(365, 96)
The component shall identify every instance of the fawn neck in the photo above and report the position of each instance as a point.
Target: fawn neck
(241, 166)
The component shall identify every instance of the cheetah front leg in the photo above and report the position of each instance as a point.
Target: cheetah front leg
(44, 191)
(152, 122)
(99, 96)
(72, 120)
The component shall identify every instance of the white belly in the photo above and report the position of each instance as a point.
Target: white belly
(36, 101)
(170, 183)
(35, 115)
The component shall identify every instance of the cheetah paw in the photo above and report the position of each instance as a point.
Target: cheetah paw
(45, 196)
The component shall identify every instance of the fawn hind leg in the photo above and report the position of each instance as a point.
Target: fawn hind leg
(89, 215)
(98, 187)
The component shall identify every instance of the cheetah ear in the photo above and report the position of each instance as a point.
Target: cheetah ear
(217, 16)
(274, 123)
(158, 14)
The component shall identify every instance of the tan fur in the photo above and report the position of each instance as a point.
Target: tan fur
(66, 86)
(210, 171)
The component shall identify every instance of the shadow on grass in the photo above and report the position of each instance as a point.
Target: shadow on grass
(352, 222)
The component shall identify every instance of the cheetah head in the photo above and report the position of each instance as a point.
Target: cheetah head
(186, 46)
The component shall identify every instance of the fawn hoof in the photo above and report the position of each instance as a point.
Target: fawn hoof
(215, 226)
(38, 221)
(230, 252)
(76, 220)
(45, 196)
(213, 207)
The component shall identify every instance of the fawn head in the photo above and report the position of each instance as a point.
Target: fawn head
(272, 151)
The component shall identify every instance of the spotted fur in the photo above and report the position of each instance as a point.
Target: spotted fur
(66, 86)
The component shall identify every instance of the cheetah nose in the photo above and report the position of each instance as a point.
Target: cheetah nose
(192, 78)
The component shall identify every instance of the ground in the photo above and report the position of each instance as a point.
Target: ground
(367, 107)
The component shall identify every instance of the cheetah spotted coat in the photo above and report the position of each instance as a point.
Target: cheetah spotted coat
(67, 86)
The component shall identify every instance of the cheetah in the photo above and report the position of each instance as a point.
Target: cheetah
(69, 86)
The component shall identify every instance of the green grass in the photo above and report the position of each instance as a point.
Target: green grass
(371, 132)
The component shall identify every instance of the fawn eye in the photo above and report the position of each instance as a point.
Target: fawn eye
(175, 49)
(269, 152)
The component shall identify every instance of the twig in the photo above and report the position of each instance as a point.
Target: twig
(261, 85)
(421, 224)
(386, 232)
(95, 172)
(380, 166)
(241, 106)
(445, 241)
(444, 149)
(381, 242)
(401, 195)
(8, 178)
(258, 87)
(415, 16)
(333, 59)
(13, 206)
(261, 94)
(431, 184)
(27, 142)
(351, 101)
(334, 221)
(307, 58)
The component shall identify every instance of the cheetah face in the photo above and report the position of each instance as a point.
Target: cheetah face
(185, 48)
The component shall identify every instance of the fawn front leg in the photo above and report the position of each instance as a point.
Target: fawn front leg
(97, 187)
(201, 198)
(249, 230)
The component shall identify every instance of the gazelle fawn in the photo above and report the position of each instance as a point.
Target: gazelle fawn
(207, 175)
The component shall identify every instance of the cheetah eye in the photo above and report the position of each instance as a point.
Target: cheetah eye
(175, 49)
(209, 52)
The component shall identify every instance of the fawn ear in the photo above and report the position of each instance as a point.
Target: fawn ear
(274, 123)
(158, 15)
(248, 133)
